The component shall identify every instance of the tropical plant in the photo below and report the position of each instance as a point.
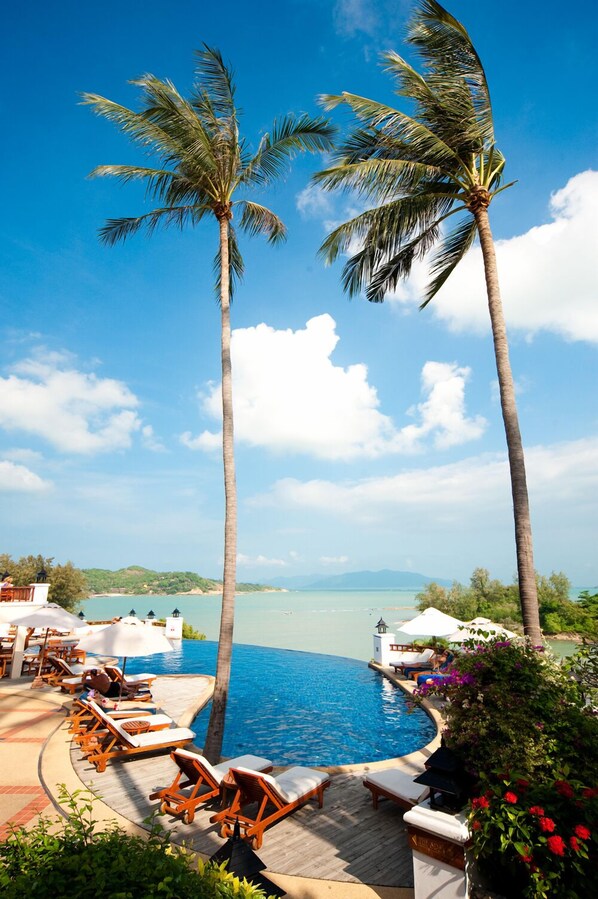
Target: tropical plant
(418, 170)
(203, 164)
(67, 583)
(73, 857)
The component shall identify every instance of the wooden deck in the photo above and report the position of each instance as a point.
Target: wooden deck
(346, 841)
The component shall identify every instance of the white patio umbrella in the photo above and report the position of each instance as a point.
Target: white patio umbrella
(50, 616)
(128, 638)
(480, 629)
(431, 623)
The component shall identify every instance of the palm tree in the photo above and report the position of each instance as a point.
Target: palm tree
(202, 163)
(416, 171)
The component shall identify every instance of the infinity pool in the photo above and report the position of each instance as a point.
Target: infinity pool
(300, 708)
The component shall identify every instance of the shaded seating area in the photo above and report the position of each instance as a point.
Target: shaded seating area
(397, 785)
(198, 781)
(273, 797)
(130, 680)
(439, 670)
(119, 740)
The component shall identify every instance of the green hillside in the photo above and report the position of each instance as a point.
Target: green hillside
(137, 581)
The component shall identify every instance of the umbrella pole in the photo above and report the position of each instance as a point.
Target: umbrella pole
(38, 682)
(122, 683)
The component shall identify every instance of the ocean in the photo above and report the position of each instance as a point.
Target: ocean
(333, 622)
(339, 623)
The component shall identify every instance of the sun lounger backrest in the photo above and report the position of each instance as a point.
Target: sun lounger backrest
(255, 785)
(194, 766)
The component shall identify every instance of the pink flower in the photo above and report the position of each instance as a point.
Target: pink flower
(511, 798)
(547, 825)
(556, 845)
(582, 832)
(536, 810)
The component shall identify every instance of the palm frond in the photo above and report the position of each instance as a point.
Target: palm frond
(257, 219)
(138, 128)
(290, 136)
(116, 230)
(217, 80)
(156, 180)
(448, 54)
(452, 250)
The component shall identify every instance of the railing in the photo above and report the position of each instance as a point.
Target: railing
(16, 594)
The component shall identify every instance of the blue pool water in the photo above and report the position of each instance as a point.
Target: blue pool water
(301, 708)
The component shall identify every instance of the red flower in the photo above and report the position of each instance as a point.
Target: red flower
(582, 832)
(589, 792)
(511, 798)
(564, 788)
(536, 810)
(526, 855)
(547, 825)
(480, 802)
(477, 825)
(522, 784)
(556, 845)
(574, 844)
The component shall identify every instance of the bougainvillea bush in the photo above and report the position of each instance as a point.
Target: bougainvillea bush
(521, 727)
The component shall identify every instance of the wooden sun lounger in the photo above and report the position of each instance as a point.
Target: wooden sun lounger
(276, 797)
(204, 779)
(131, 680)
(86, 731)
(115, 742)
(392, 783)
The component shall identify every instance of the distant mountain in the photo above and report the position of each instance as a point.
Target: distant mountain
(360, 580)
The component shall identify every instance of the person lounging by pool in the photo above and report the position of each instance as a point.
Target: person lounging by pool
(98, 681)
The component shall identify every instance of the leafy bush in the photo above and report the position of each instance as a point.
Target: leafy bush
(71, 857)
(519, 724)
(67, 583)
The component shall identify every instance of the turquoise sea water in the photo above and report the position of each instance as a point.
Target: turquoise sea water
(340, 623)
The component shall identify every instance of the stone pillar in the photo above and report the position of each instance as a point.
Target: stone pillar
(18, 651)
(174, 628)
(437, 842)
(382, 653)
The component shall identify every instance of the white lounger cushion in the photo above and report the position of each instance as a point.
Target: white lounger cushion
(294, 783)
(218, 772)
(413, 658)
(161, 737)
(399, 784)
(155, 720)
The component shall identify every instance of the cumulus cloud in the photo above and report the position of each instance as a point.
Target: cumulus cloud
(150, 441)
(547, 275)
(290, 397)
(565, 473)
(76, 412)
(19, 479)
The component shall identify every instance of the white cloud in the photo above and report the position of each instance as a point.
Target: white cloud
(547, 275)
(334, 560)
(74, 411)
(313, 202)
(290, 397)
(150, 441)
(353, 16)
(250, 562)
(21, 454)
(563, 473)
(19, 479)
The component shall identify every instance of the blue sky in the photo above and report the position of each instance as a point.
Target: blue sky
(367, 436)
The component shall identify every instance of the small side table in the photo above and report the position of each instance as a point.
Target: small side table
(135, 727)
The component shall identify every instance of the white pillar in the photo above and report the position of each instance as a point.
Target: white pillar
(18, 651)
(382, 653)
(437, 842)
(174, 628)
(40, 593)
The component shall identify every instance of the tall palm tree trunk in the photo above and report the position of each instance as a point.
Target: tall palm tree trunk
(215, 734)
(523, 530)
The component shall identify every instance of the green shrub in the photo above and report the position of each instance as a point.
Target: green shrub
(72, 858)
